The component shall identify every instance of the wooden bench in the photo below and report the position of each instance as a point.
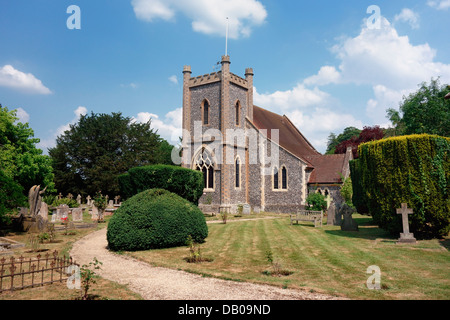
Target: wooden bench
(307, 215)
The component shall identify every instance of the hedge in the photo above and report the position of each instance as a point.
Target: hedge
(186, 183)
(411, 169)
(155, 218)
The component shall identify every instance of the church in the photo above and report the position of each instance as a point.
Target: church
(250, 156)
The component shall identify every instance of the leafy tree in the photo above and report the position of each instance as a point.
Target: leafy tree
(334, 141)
(20, 160)
(366, 135)
(316, 202)
(90, 156)
(424, 111)
(11, 196)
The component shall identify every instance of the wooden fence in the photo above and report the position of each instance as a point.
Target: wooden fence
(21, 273)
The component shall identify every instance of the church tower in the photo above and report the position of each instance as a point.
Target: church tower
(215, 109)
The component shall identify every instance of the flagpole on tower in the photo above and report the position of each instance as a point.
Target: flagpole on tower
(226, 40)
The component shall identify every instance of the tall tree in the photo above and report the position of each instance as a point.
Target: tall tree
(20, 159)
(424, 111)
(334, 141)
(366, 135)
(22, 165)
(91, 155)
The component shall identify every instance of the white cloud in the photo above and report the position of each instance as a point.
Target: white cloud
(297, 97)
(440, 5)
(208, 16)
(326, 75)
(129, 85)
(173, 79)
(170, 128)
(409, 16)
(12, 78)
(23, 116)
(317, 124)
(51, 142)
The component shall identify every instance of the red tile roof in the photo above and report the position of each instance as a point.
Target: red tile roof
(326, 168)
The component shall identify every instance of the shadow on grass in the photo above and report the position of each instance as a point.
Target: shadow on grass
(445, 243)
(367, 230)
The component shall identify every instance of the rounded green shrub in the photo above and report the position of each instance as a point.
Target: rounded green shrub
(186, 183)
(155, 218)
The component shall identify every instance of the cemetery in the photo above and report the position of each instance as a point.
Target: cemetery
(323, 173)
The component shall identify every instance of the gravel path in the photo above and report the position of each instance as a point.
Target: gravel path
(155, 283)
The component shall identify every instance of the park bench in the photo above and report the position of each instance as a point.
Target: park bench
(307, 215)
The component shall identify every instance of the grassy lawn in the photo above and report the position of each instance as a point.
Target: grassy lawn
(325, 260)
(102, 290)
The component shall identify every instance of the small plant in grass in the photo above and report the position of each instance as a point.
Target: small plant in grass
(224, 216)
(43, 236)
(88, 276)
(195, 254)
(277, 269)
(34, 242)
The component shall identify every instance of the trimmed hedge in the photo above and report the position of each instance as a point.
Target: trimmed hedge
(184, 182)
(411, 169)
(155, 218)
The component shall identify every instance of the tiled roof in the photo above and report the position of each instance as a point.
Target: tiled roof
(290, 137)
(326, 168)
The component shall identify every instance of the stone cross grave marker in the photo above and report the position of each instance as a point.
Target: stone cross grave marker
(88, 200)
(116, 198)
(406, 236)
(70, 196)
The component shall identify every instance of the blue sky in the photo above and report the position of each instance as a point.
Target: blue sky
(325, 64)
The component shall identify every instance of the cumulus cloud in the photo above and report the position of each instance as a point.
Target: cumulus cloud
(51, 142)
(316, 124)
(297, 97)
(208, 16)
(409, 16)
(173, 79)
(23, 116)
(326, 75)
(440, 5)
(169, 128)
(26, 82)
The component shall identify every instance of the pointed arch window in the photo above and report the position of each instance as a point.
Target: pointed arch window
(204, 163)
(284, 177)
(275, 178)
(205, 112)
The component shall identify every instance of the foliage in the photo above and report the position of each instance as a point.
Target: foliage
(366, 135)
(334, 141)
(100, 201)
(184, 182)
(155, 218)
(11, 196)
(53, 201)
(20, 160)
(88, 276)
(316, 202)
(195, 254)
(424, 111)
(411, 169)
(346, 191)
(277, 269)
(359, 197)
(99, 147)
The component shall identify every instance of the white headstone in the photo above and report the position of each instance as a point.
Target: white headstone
(94, 213)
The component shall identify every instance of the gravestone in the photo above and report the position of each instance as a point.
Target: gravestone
(111, 203)
(333, 215)
(116, 199)
(54, 217)
(77, 214)
(348, 223)
(60, 196)
(94, 215)
(246, 209)
(62, 211)
(35, 200)
(88, 200)
(43, 212)
(70, 196)
(406, 236)
(79, 199)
